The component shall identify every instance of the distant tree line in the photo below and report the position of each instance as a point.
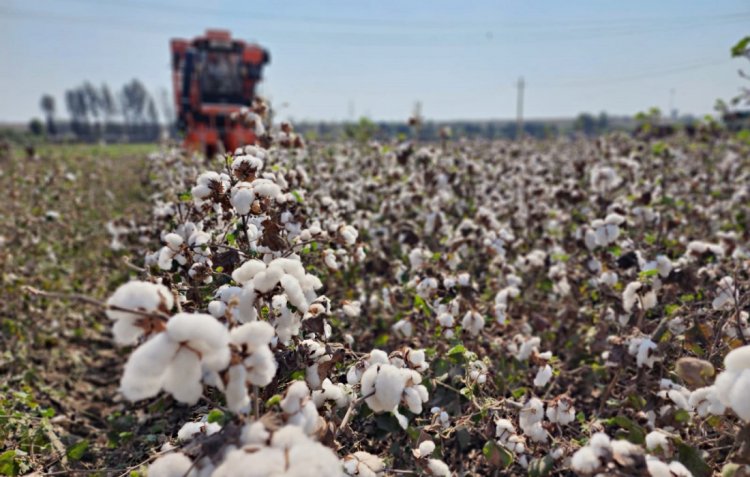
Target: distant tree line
(98, 113)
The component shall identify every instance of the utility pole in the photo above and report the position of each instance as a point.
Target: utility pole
(519, 108)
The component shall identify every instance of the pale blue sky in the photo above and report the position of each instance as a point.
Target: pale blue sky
(459, 58)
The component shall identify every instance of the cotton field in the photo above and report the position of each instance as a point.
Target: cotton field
(557, 307)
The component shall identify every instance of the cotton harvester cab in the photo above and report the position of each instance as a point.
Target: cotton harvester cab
(215, 76)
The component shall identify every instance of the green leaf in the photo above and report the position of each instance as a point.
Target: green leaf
(458, 349)
(691, 458)
(297, 196)
(420, 304)
(77, 450)
(216, 415)
(298, 375)
(273, 400)
(8, 463)
(740, 47)
(497, 456)
(541, 467)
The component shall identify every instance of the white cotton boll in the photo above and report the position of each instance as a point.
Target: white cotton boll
(175, 464)
(166, 255)
(738, 359)
(527, 348)
(352, 309)
(216, 308)
(543, 376)
(261, 366)
(531, 414)
(663, 265)
(363, 464)
(677, 469)
(679, 399)
(413, 398)
(438, 468)
(183, 377)
(311, 282)
(384, 384)
(706, 401)
(255, 433)
(738, 395)
(590, 239)
(585, 460)
(144, 371)
(403, 327)
(445, 319)
(417, 359)
(247, 271)
(266, 188)
(312, 459)
(630, 295)
(725, 298)
(658, 441)
(173, 241)
(561, 411)
(645, 355)
(657, 468)
(266, 280)
(425, 449)
(296, 393)
(464, 279)
(349, 234)
(608, 278)
(473, 322)
(136, 295)
(200, 331)
(189, 430)
(236, 389)
(252, 335)
(294, 292)
(245, 311)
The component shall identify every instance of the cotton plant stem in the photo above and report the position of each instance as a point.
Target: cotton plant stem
(349, 412)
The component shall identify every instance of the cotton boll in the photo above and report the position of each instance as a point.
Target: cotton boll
(348, 234)
(175, 464)
(252, 335)
(217, 308)
(403, 328)
(585, 460)
(543, 376)
(265, 281)
(183, 377)
(561, 411)
(425, 449)
(295, 395)
(294, 292)
(242, 198)
(472, 322)
(136, 295)
(384, 385)
(189, 430)
(236, 388)
(363, 464)
(725, 297)
(144, 371)
(630, 295)
(266, 188)
(247, 271)
(438, 468)
(352, 309)
(200, 330)
(657, 441)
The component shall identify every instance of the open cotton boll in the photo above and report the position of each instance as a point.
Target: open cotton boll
(190, 429)
(706, 401)
(204, 334)
(236, 388)
(173, 241)
(247, 271)
(561, 411)
(266, 188)
(348, 234)
(136, 295)
(630, 295)
(144, 371)
(266, 280)
(543, 376)
(383, 384)
(175, 464)
(363, 464)
(261, 366)
(725, 295)
(216, 308)
(472, 322)
(294, 292)
(252, 335)
(245, 167)
(352, 309)
(438, 468)
(339, 393)
(658, 441)
(183, 377)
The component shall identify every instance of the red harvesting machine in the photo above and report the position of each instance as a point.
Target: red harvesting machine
(215, 76)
